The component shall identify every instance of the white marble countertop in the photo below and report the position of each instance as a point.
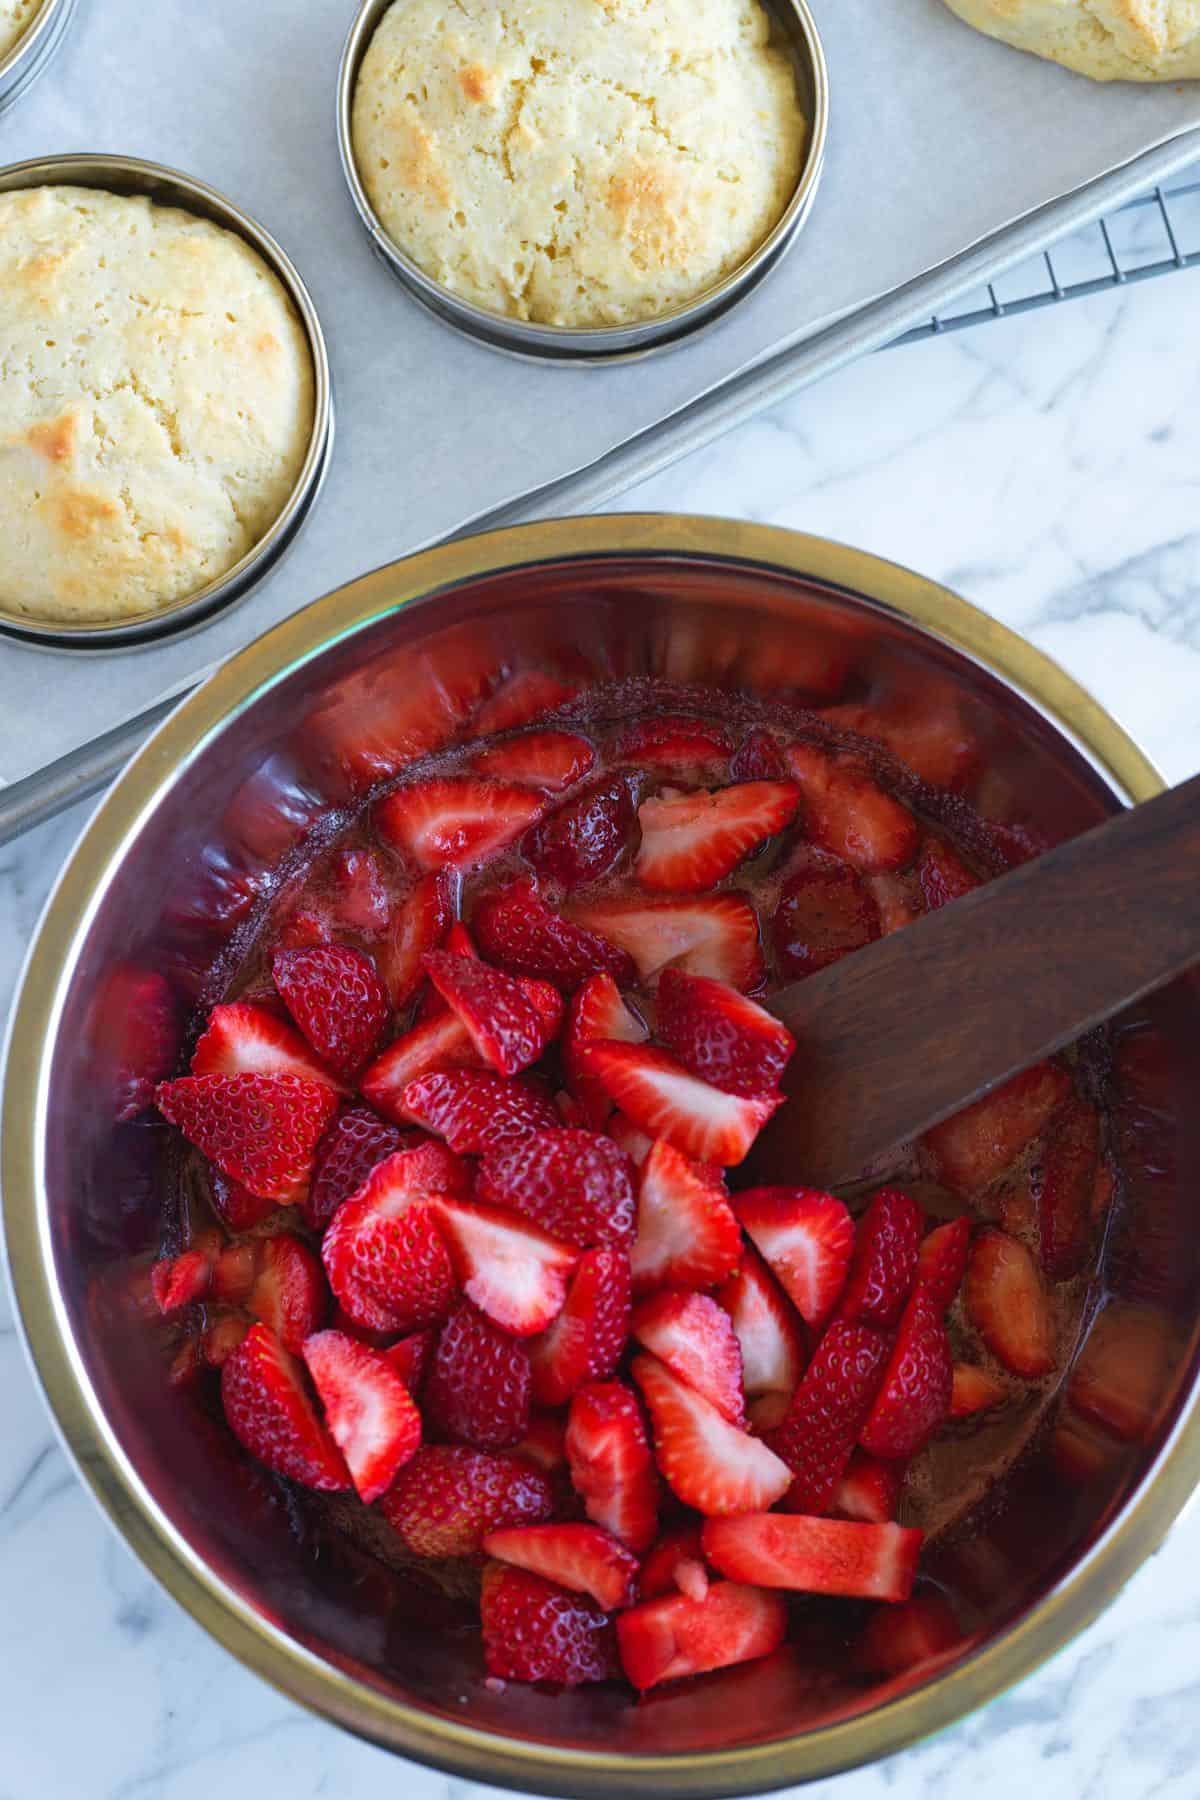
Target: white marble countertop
(1049, 468)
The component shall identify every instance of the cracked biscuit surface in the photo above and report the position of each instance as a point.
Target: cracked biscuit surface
(577, 162)
(16, 16)
(1109, 40)
(156, 403)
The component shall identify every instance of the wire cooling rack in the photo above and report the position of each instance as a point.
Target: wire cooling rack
(1156, 234)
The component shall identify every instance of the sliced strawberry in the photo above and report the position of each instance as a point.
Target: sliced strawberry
(510, 1269)
(545, 1443)
(868, 1489)
(815, 1556)
(447, 1499)
(637, 1144)
(657, 1093)
(529, 694)
(586, 1340)
(421, 923)
(672, 741)
(676, 1566)
(695, 1339)
(807, 1238)
(848, 814)
(914, 1396)
(687, 1235)
(244, 1039)
(596, 1012)
(898, 1638)
(547, 1002)
(357, 1142)
(509, 1031)
(178, 1281)
(222, 1338)
(270, 1413)
(824, 913)
(828, 1410)
(886, 1246)
(708, 1463)
(384, 1253)
(977, 1144)
(478, 1388)
(664, 1640)
(1008, 1306)
(303, 928)
(455, 822)
(768, 1329)
(758, 758)
(431, 1048)
(574, 1183)
(691, 842)
(942, 1262)
(1062, 1188)
(519, 931)
(1121, 1377)
(541, 759)
(974, 1390)
(287, 1290)
(411, 1357)
(720, 1035)
(236, 1206)
(942, 875)
(585, 1558)
(710, 934)
(476, 1111)
(359, 890)
(585, 836)
(337, 999)
(368, 1409)
(260, 1130)
(536, 1631)
(611, 1466)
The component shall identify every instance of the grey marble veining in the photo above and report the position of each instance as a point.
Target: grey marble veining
(1049, 468)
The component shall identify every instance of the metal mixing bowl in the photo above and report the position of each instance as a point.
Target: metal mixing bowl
(159, 885)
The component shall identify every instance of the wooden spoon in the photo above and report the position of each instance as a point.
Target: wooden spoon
(915, 1027)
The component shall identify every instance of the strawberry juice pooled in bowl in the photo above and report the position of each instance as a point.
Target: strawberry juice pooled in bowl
(464, 1250)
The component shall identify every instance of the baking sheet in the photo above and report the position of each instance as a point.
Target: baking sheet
(939, 139)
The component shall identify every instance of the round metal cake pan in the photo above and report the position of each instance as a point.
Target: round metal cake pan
(26, 59)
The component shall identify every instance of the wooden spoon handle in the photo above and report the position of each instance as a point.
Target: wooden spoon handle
(913, 1028)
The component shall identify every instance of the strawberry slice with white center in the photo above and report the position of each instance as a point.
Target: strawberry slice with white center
(695, 1339)
(437, 1044)
(687, 1235)
(269, 1412)
(597, 1012)
(337, 999)
(659, 1095)
(541, 759)
(676, 1565)
(710, 934)
(476, 1111)
(845, 812)
(585, 1558)
(666, 1639)
(368, 1409)
(507, 1028)
(179, 1280)
(586, 1340)
(384, 1254)
(243, 1039)
(691, 842)
(672, 741)
(708, 1463)
(261, 1130)
(526, 695)
(279, 1281)
(815, 1556)
(768, 1329)
(807, 1237)
(611, 1467)
(456, 822)
(719, 1035)
(914, 1396)
(421, 923)
(512, 1271)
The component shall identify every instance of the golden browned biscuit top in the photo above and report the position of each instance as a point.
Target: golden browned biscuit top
(1110, 40)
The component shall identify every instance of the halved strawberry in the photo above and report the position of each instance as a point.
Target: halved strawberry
(672, 741)
(687, 1235)
(899, 1637)
(691, 842)
(1062, 1189)
(545, 1443)
(337, 999)
(868, 1489)
(509, 1031)
(458, 942)
(708, 934)
(974, 1390)
(455, 822)
(478, 1389)
(815, 1556)
(367, 1407)
(1008, 1306)
(446, 1500)
(664, 1640)
(676, 1566)
(436, 1045)
(942, 1262)
(720, 1035)
(178, 1281)
(768, 1329)
(658, 1094)
(828, 1410)
(384, 1253)
(534, 1630)
(286, 1289)
(519, 931)
(585, 836)
(597, 1011)
(576, 1184)
(612, 1469)
(421, 923)
(1121, 1376)
(977, 1144)
(586, 1340)
(824, 912)
(585, 1558)
(887, 1244)
(528, 694)
(541, 759)
(695, 1339)
(236, 1206)
(845, 812)
(708, 1463)
(355, 1143)
(637, 1144)
(942, 875)
(270, 1413)
(476, 1111)
(243, 1039)
(359, 891)
(807, 1237)
(510, 1269)
(758, 758)
(261, 1130)
(914, 1396)
(410, 1358)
